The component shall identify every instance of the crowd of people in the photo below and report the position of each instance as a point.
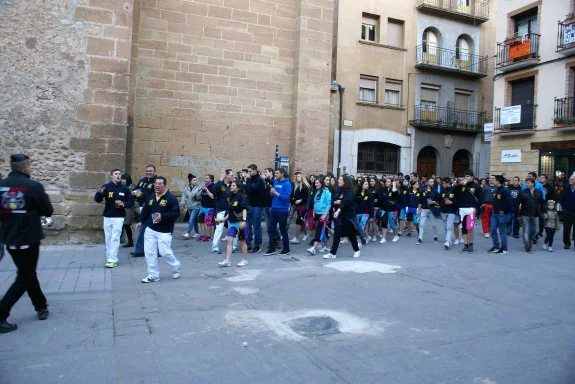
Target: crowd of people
(328, 211)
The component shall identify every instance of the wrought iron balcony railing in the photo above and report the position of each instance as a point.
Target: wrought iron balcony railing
(430, 56)
(526, 119)
(564, 112)
(430, 116)
(566, 35)
(469, 10)
(518, 51)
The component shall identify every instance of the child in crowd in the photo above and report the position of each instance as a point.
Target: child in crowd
(551, 224)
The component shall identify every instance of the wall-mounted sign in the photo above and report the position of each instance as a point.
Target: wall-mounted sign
(511, 156)
(487, 137)
(569, 34)
(348, 123)
(510, 115)
(521, 49)
(488, 127)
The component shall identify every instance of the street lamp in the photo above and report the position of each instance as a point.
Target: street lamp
(337, 86)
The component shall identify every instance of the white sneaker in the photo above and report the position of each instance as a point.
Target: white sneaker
(487, 235)
(311, 251)
(359, 245)
(224, 239)
(225, 263)
(382, 241)
(329, 256)
(344, 241)
(456, 242)
(242, 263)
(186, 236)
(544, 246)
(374, 239)
(149, 279)
(368, 239)
(324, 249)
(176, 274)
(294, 241)
(550, 249)
(357, 254)
(195, 236)
(304, 238)
(395, 239)
(446, 245)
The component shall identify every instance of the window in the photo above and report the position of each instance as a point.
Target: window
(395, 33)
(526, 22)
(378, 157)
(430, 42)
(369, 27)
(393, 92)
(429, 97)
(368, 89)
(462, 99)
(462, 49)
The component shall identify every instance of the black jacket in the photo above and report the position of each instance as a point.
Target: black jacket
(113, 192)
(364, 203)
(256, 191)
(168, 206)
(469, 195)
(531, 204)
(300, 194)
(146, 186)
(502, 201)
(22, 202)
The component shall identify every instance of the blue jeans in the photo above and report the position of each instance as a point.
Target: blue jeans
(498, 225)
(267, 211)
(140, 242)
(278, 218)
(358, 228)
(194, 212)
(530, 229)
(255, 225)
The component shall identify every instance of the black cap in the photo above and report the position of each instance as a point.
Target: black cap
(18, 157)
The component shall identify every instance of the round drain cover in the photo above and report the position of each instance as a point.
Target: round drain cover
(311, 326)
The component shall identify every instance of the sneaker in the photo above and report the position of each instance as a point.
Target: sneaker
(382, 241)
(395, 238)
(149, 279)
(285, 252)
(373, 239)
(464, 249)
(502, 251)
(225, 263)
(137, 254)
(409, 234)
(6, 327)
(550, 249)
(528, 249)
(359, 245)
(493, 249)
(242, 263)
(250, 248)
(456, 242)
(235, 250)
(487, 235)
(304, 238)
(129, 244)
(368, 239)
(111, 264)
(345, 240)
(470, 248)
(294, 241)
(195, 236)
(176, 274)
(357, 254)
(324, 249)
(312, 251)
(270, 252)
(312, 241)
(329, 256)
(43, 314)
(186, 236)
(216, 250)
(224, 239)
(534, 240)
(446, 245)
(419, 242)
(545, 246)
(435, 240)
(256, 249)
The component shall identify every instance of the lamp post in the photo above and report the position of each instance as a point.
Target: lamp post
(337, 86)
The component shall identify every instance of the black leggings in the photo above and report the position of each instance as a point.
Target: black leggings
(549, 234)
(318, 228)
(343, 228)
(128, 229)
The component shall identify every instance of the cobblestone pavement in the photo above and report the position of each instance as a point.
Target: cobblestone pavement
(401, 313)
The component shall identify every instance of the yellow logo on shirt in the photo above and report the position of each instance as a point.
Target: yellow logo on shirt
(235, 204)
(365, 198)
(163, 203)
(451, 195)
(110, 195)
(151, 202)
(472, 190)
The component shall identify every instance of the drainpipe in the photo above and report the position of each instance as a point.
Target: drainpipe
(341, 88)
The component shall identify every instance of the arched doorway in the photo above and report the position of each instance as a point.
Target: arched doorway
(461, 161)
(427, 161)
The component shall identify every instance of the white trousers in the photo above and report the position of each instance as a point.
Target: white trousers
(426, 216)
(219, 229)
(112, 232)
(162, 242)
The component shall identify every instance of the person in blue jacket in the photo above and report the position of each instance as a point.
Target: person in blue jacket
(538, 185)
(281, 195)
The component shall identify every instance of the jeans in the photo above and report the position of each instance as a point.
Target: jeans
(513, 224)
(157, 241)
(278, 218)
(194, 212)
(267, 211)
(26, 261)
(140, 242)
(358, 228)
(112, 232)
(255, 226)
(499, 224)
(449, 219)
(530, 229)
(425, 216)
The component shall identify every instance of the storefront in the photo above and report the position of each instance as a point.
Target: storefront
(558, 165)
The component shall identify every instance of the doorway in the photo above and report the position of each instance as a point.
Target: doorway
(427, 162)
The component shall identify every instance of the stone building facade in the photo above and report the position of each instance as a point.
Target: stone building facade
(190, 86)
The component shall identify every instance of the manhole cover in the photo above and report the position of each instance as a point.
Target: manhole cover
(312, 326)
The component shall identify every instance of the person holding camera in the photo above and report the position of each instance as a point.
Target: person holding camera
(117, 197)
(22, 203)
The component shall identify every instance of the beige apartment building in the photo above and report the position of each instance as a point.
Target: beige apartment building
(534, 93)
(418, 85)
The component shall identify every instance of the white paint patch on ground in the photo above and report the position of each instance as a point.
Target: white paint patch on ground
(214, 287)
(483, 380)
(362, 266)
(246, 290)
(261, 321)
(245, 275)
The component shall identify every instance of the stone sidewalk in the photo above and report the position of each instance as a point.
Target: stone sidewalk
(400, 314)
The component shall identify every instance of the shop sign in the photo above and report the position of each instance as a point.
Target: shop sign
(511, 156)
(510, 115)
(487, 137)
(488, 127)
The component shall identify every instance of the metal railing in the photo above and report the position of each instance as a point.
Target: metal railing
(564, 111)
(448, 118)
(475, 8)
(426, 54)
(527, 120)
(518, 48)
(566, 35)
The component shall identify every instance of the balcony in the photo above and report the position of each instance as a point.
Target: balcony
(518, 52)
(564, 119)
(449, 119)
(476, 12)
(446, 60)
(521, 123)
(566, 36)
